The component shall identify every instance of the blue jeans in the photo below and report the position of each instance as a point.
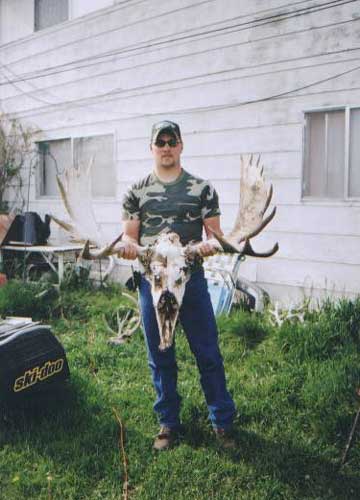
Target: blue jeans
(198, 321)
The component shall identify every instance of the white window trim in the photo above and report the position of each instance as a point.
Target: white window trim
(109, 199)
(346, 200)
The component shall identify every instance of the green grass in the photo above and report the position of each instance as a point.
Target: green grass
(294, 387)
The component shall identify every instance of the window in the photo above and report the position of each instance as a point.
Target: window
(332, 154)
(50, 12)
(56, 156)
(53, 158)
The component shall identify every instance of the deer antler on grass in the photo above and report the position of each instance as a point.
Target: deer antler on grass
(280, 315)
(127, 323)
(255, 199)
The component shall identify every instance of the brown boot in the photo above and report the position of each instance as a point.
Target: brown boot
(164, 439)
(225, 438)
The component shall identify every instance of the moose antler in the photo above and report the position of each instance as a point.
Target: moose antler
(255, 199)
(75, 191)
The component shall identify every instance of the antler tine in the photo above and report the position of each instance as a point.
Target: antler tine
(248, 250)
(241, 162)
(258, 161)
(64, 196)
(87, 254)
(65, 225)
(268, 199)
(260, 227)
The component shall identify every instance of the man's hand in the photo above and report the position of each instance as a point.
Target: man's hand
(209, 247)
(128, 251)
(129, 241)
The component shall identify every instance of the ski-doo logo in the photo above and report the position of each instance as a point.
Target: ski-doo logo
(37, 374)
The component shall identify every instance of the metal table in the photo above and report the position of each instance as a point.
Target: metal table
(47, 252)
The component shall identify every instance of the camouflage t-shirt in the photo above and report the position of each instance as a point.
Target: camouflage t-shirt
(178, 206)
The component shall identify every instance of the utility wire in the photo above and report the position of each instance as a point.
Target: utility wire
(117, 71)
(129, 49)
(71, 102)
(271, 97)
(91, 37)
(114, 91)
(119, 90)
(253, 101)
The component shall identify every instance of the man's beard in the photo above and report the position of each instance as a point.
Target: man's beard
(168, 163)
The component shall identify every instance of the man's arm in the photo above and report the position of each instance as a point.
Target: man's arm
(213, 223)
(131, 238)
(209, 247)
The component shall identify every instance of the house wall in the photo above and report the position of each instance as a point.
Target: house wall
(13, 27)
(180, 62)
(17, 16)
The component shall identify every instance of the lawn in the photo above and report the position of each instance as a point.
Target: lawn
(294, 386)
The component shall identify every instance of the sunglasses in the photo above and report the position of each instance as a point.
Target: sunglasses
(160, 143)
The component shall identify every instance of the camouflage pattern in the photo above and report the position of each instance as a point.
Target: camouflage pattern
(178, 207)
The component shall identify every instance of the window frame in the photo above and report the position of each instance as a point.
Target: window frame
(96, 199)
(69, 18)
(345, 199)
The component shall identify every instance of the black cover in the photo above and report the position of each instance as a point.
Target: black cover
(32, 360)
(28, 228)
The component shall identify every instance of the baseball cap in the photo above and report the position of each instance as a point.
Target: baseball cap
(171, 128)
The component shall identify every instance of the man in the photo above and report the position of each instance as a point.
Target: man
(171, 199)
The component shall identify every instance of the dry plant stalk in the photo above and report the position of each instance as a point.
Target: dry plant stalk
(125, 461)
(351, 436)
(124, 457)
(16, 148)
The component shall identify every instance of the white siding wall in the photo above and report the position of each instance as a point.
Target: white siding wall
(13, 27)
(82, 7)
(17, 16)
(156, 68)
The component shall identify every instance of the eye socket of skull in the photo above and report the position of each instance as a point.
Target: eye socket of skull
(179, 281)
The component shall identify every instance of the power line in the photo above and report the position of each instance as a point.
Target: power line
(243, 103)
(135, 47)
(91, 37)
(19, 89)
(274, 96)
(118, 90)
(111, 53)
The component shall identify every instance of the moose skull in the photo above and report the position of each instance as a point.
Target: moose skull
(166, 266)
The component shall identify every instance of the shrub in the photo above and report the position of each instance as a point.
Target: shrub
(327, 349)
(329, 394)
(247, 325)
(335, 328)
(19, 298)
